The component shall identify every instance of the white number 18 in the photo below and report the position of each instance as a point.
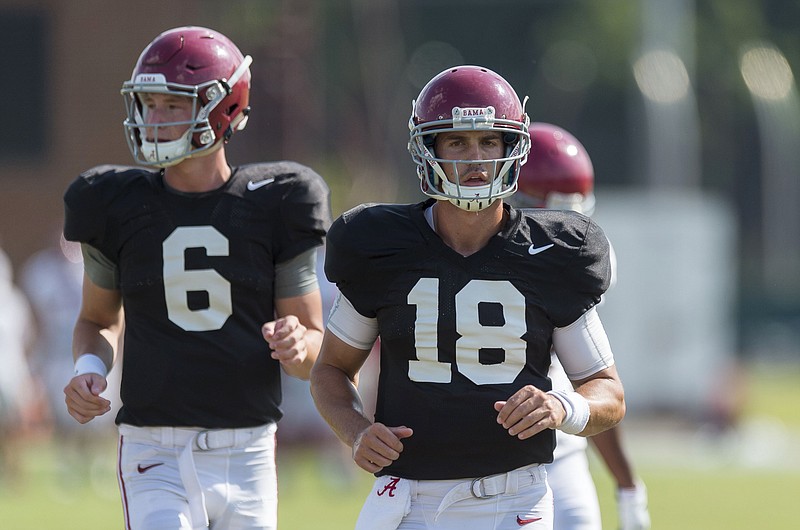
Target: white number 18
(473, 335)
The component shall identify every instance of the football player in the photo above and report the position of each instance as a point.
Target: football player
(200, 263)
(467, 295)
(559, 175)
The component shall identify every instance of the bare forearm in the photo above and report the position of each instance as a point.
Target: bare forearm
(606, 404)
(609, 445)
(100, 323)
(296, 336)
(338, 402)
(89, 337)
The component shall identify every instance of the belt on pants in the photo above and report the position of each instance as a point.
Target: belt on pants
(190, 440)
(486, 487)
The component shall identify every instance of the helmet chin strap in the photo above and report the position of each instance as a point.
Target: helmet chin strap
(174, 152)
(482, 199)
(473, 205)
(166, 154)
(473, 198)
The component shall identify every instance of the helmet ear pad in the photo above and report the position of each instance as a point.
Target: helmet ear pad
(429, 141)
(231, 128)
(510, 140)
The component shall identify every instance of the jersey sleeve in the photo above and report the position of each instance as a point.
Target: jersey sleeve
(587, 274)
(84, 209)
(96, 201)
(347, 263)
(305, 211)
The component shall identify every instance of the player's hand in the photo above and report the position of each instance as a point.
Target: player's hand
(286, 339)
(632, 508)
(82, 396)
(377, 446)
(529, 411)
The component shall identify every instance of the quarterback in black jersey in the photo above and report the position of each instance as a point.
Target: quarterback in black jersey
(467, 295)
(210, 271)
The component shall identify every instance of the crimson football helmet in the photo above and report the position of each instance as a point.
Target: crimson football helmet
(559, 173)
(199, 63)
(468, 98)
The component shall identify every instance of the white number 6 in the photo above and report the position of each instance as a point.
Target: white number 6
(178, 281)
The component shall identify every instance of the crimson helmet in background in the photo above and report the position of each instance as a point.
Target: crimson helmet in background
(558, 174)
(468, 98)
(202, 64)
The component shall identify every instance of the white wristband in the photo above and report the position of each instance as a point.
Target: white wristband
(89, 363)
(577, 411)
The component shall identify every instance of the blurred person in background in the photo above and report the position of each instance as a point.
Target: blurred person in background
(18, 391)
(52, 280)
(212, 270)
(467, 295)
(559, 175)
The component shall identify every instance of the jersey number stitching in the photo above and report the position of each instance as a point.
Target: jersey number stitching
(473, 336)
(179, 281)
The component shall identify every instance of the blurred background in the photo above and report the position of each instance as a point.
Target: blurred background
(689, 110)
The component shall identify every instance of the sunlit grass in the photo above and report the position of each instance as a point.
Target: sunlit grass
(748, 479)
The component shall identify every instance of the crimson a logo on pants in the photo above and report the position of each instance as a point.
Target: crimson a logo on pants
(390, 487)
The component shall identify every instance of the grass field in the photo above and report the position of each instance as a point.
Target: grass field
(747, 479)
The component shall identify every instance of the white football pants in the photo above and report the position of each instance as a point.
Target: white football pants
(517, 499)
(185, 479)
(574, 493)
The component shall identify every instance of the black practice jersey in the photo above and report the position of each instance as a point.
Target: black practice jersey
(460, 333)
(196, 276)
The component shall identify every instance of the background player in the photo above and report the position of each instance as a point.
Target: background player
(18, 392)
(559, 175)
(208, 261)
(467, 295)
(52, 280)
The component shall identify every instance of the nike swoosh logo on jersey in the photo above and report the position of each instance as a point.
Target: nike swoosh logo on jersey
(141, 469)
(252, 186)
(523, 522)
(533, 249)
